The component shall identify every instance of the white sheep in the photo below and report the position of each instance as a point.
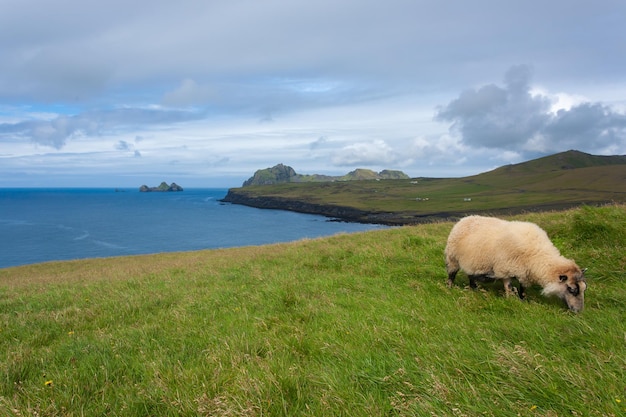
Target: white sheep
(487, 248)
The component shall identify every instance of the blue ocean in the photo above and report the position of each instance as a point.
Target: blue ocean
(39, 225)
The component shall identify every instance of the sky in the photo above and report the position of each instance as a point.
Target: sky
(204, 93)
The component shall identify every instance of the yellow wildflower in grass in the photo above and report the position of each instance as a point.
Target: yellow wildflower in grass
(533, 408)
(618, 400)
(48, 383)
(71, 332)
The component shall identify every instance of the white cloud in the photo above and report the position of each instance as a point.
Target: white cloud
(365, 153)
(560, 100)
(57, 131)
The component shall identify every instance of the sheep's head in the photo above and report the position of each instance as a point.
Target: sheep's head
(569, 285)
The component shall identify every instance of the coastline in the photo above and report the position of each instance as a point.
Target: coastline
(335, 212)
(552, 183)
(388, 218)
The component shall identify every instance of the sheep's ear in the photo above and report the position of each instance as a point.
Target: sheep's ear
(582, 276)
(563, 278)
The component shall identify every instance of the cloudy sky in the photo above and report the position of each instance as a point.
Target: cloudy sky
(204, 93)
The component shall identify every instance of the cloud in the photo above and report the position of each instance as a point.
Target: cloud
(53, 133)
(517, 118)
(190, 93)
(496, 117)
(187, 48)
(57, 131)
(587, 125)
(125, 146)
(376, 152)
(318, 143)
(122, 145)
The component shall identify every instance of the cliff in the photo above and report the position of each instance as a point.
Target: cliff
(279, 203)
(336, 212)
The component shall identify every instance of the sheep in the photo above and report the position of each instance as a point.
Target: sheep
(488, 248)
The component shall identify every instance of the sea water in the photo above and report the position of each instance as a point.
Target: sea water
(39, 225)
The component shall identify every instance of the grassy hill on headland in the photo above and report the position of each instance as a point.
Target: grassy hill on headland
(351, 325)
(558, 181)
(280, 174)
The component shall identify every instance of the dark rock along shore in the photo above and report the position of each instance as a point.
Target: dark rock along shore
(337, 213)
(349, 214)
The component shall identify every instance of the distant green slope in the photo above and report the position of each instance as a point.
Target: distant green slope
(562, 180)
(558, 162)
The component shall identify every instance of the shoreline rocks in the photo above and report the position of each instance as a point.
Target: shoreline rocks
(333, 212)
(390, 218)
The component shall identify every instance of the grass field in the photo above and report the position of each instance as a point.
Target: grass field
(351, 325)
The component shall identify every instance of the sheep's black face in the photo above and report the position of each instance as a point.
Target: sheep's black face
(573, 286)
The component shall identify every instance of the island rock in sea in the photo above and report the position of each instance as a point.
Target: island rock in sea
(161, 188)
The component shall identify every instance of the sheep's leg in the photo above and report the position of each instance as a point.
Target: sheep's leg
(508, 287)
(452, 267)
(451, 277)
(472, 281)
(522, 291)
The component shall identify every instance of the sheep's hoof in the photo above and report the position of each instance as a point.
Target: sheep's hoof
(510, 291)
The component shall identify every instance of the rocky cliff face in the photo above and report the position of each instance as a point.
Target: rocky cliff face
(337, 213)
(349, 214)
(278, 203)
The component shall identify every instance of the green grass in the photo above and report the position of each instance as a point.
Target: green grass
(351, 325)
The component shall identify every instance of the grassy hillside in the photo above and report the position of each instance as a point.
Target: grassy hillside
(351, 325)
(280, 174)
(558, 181)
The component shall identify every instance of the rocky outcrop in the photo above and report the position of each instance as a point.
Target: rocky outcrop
(275, 175)
(283, 173)
(390, 174)
(161, 188)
